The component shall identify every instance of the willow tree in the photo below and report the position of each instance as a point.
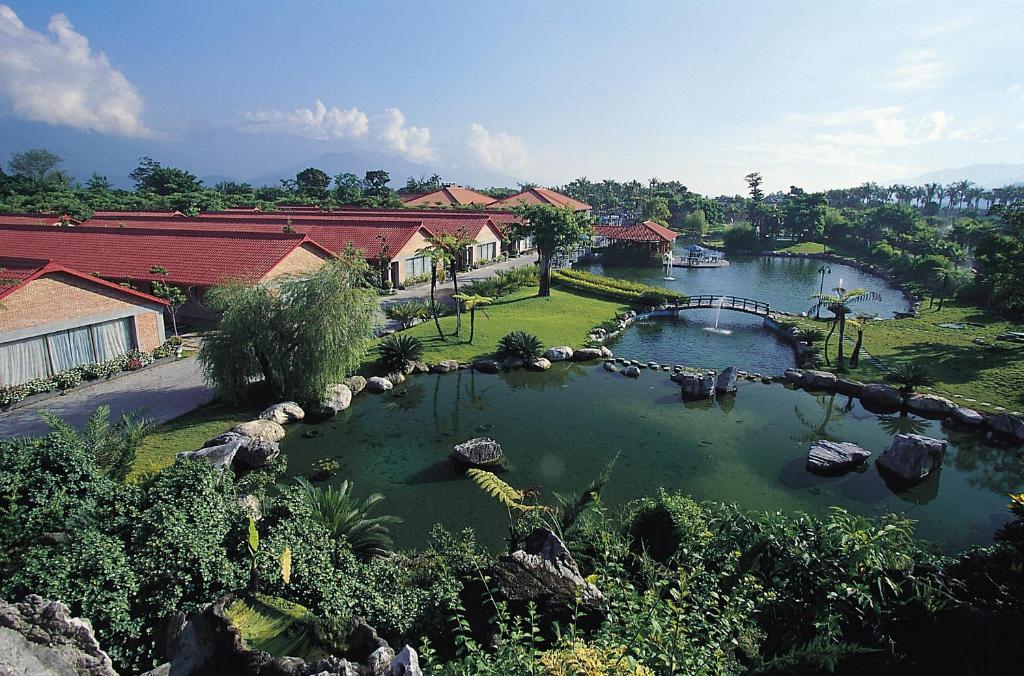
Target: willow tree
(297, 334)
(554, 231)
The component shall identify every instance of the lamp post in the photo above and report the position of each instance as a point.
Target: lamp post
(822, 271)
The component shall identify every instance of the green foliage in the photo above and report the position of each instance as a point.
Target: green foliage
(407, 312)
(298, 336)
(520, 344)
(554, 231)
(113, 445)
(398, 350)
(910, 376)
(616, 289)
(740, 237)
(345, 518)
(505, 282)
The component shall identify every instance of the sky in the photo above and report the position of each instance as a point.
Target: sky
(815, 94)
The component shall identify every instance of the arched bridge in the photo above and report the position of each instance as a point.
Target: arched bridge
(748, 305)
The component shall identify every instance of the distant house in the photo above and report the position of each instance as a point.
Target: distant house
(53, 318)
(647, 237)
(448, 196)
(542, 196)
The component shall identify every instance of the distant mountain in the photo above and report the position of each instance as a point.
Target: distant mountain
(220, 154)
(986, 175)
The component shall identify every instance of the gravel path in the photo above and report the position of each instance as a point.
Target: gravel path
(164, 391)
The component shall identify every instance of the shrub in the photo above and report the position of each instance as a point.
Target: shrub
(520, 344)
(740, 237)
(616, 289)
(408, 312)
(398, 349)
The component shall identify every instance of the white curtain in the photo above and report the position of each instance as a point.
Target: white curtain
(60, 351)
(23, 360)
(112, 339)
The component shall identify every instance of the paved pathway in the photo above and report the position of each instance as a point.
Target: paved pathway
(445, 290)
(165, 391)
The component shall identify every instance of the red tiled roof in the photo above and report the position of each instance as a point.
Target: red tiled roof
(452, 195)
(21, 271)
(38, 219)
(543, 196)
(192, 257)
(648, 231)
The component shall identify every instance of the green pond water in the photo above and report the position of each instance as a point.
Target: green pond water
(559, 428)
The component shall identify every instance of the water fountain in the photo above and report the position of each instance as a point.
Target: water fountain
(715, 329)
(667, 259)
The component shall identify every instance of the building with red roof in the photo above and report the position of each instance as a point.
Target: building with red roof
(647, 236)
(54, 317)
(542, 196)
(448, 196)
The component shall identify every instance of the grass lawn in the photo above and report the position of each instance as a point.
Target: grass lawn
(564, 318)
(993, 375)
(807, 248)
(186, 433)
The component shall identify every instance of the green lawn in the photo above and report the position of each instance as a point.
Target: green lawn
(993, 375)
(186, 433)
(564, 318)
(807, 248)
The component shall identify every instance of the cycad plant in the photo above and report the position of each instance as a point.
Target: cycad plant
(909, 377)
(399, 349)
(112, 444)
(520, 344)
(408, 312)
(344, 517)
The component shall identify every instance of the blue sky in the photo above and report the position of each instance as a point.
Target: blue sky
(817, 94)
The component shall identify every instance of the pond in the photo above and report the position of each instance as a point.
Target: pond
(560, 427)
(784, 283)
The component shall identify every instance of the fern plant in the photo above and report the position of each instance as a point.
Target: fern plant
(513, 499)
(520, 344)
(397, 350)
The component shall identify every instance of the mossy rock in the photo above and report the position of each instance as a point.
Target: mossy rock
(275, 626)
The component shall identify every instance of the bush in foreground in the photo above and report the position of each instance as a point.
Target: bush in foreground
(520, 344)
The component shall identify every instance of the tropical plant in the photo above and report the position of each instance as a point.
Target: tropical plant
(298, 335)
(407, 312)
(112, 445)
(439, 257)
(450, 248)
(839, 302)
(909, 377)
(860, 323)
(174, 295)
(472, 302)
(945, 277)
(520, 344)
(809, 336)
(345, 518)
(554, 231)
(398, 350)
(514, 500)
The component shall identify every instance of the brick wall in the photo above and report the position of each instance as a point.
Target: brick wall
(303, 259)
(148, 331)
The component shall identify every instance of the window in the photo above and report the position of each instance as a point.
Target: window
(44, 356)
(486, 252)
(417, 266)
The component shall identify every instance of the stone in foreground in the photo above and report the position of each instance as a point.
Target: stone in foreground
(830, 458)
(479, 452)
(283, 413)
(912, 457)
(587, 354)
(544, 572)
(559, 353)
(267, 430)
(1009, 426)
(336, 399)
(697, 386)
(355, 383)
(406, 663)
(378, 385)
(818, 380)
(878, 397)
(40, 637)
(726, 381)
(930, 405)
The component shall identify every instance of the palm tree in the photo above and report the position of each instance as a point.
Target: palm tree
(944, 277)
(345, 518)
(860, 322)
(438, 259)
(454, 247)
(472, 302)
(839, 304)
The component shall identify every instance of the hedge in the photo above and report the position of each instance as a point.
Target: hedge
(613, 288)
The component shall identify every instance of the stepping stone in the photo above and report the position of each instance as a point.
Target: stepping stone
(1000, 408)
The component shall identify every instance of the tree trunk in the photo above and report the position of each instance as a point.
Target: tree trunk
(827, 338)
(455, 286)
(174, 321)
(842, 335)
(942, 299)
(545, 275)
(433, 303)
(855, 355)
(472, 324)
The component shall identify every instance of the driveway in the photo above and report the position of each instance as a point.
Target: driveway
(164, 391)
(444, 290)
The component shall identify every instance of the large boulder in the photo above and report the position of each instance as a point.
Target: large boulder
(631, 371)
(726, 381)
(586, 354)
(406, 663)
(268, 430)
(912, 457)
(697, 386)
(968, 416)
(355, 383)
(538, 364)
(337, 398)
(793, 376)
(544, 572)
(41, 638)
(230, 448)
(479, 452)
(446, 366)
(930, 405)
(851, 388)
(220, 456)
(559, 353)
(377, 385)
(818, 380)
(283, 413)
(831, 458)
(1008, 426)
(878, 397)
(487, 365)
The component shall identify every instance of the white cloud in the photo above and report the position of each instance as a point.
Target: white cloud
(882, 127)
(412, 143)
(1016, 90)
(501, 151)
(922, 69)
(320, 122)
(56, 78)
